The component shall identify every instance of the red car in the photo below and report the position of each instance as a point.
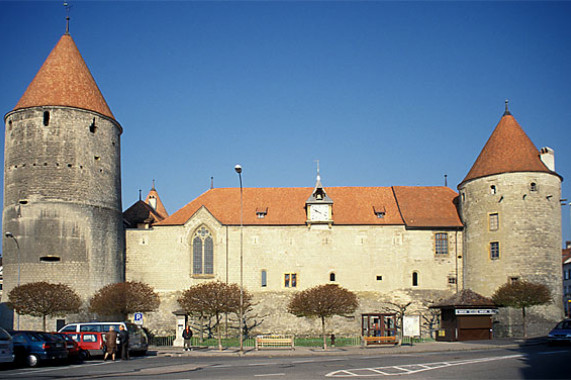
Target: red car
(91, 343)
(75, 353)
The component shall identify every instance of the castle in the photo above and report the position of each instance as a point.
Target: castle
(62, 210)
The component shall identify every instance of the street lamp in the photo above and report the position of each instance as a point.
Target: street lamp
(10, 235)
(238, 170)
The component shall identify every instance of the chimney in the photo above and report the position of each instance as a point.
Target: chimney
(547, 155)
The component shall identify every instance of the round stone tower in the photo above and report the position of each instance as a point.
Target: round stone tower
(510, 205)
(62, 219)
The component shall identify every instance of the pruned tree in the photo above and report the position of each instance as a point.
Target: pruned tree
(400, 310)
(213, 299)
(322, 302)
(42, 299)
(521, 295)
(124, 298)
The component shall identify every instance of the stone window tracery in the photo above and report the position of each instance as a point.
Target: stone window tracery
(202, 252)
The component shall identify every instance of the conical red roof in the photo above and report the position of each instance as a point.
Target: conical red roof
(65, 80)
(508, 150)
(160, 208)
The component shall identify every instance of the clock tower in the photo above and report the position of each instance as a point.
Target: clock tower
(319, 205)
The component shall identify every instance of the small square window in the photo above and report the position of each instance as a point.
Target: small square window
(379, 211)
(290, 280)
(379, 278)
(261, 212)
(451, 280)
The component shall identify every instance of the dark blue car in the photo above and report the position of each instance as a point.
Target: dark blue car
(560, 333)
(33, 347)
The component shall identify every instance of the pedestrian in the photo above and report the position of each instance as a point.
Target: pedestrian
(124, 342)
(187, 336)
(110, 343)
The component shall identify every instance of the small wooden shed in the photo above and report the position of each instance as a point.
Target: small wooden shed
(465, 316)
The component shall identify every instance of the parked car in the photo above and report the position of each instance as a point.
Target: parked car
(33, 347)
(91, 343)
(561, 333)
(75, 353)
(6, 347)
(138, 340)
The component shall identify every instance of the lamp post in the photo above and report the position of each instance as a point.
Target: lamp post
(238, 170)
(10, 235)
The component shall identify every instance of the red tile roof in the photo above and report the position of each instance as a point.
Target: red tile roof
(65, 80)
(428, 206)
(423, 206)
(508, 150)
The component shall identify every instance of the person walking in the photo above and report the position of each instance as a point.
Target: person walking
(124, 342)
(110, 343)
(187, 336)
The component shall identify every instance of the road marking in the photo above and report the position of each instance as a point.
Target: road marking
(412, 368)
(39, 370)
(303, 361)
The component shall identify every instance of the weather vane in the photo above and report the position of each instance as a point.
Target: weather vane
(67, 9)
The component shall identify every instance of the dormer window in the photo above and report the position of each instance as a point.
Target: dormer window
(379, 211)
(261, 212)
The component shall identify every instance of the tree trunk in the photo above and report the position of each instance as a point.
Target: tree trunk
(218, 330)
(400, 329)
(44, 322)
(523, 321)
(323, 333)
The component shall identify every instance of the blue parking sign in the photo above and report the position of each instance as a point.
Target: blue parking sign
(138, 318)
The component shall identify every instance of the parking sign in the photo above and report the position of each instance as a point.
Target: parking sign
(138, 318)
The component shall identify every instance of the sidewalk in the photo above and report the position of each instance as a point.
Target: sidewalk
(352, 350)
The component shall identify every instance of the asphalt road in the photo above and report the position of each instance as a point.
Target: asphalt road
(533, 362)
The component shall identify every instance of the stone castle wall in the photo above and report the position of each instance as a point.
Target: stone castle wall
(376, 262)
(62, 199)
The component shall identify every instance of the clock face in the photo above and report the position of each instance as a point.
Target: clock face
(319, 212)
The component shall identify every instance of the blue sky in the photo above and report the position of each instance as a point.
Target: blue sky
(381, 93)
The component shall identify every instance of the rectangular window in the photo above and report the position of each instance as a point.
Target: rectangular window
(494, 250)
(290, 280)
(452, 280)
(264, 278)
(441, 243)
(494, 222)
(566, 275)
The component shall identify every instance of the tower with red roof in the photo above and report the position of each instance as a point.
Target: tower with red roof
(510, 205)
(62, 184)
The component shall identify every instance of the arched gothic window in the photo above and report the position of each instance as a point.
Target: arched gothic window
(414, 278)
(202, 252)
